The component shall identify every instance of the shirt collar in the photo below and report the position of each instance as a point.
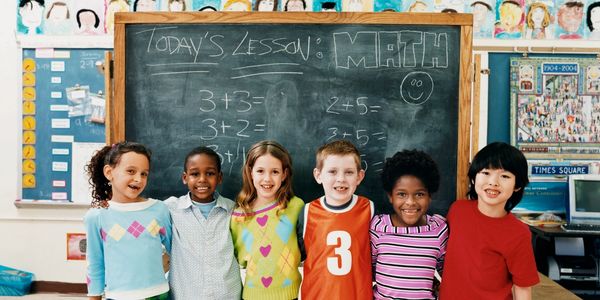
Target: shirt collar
(187, 201)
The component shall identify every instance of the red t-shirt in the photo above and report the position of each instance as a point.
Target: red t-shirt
(338, 251)
(485, 255)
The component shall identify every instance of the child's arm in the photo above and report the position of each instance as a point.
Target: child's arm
(95, 256)
(300, 233)
(521, 293)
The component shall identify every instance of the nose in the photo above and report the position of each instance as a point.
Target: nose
(493, 180)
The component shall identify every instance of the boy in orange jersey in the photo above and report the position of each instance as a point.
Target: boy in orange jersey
(334, 229)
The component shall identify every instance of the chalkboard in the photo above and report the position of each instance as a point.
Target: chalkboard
(386, 82)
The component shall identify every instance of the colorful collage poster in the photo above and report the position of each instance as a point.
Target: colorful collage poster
(555, 107)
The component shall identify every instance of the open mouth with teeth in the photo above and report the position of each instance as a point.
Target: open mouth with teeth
(340, 188)
(134, 187)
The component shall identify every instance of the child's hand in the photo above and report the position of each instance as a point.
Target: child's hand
(166, 260)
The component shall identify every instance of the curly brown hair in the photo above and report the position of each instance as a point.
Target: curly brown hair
(109, 155)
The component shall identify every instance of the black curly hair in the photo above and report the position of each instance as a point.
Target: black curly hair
(109, 155)
(411, 162)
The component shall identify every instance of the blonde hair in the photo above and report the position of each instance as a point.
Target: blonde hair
(244, 2)
(340, 147)
(248, 193)
(508, 11)
(533, 6)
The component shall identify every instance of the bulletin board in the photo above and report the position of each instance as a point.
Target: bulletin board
(63, 122)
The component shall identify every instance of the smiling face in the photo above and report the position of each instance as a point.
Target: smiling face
(267, 176)
(494, 187)
(410, 200)
(340, 177)
(128, 177)
(202, 177)
(416, 88)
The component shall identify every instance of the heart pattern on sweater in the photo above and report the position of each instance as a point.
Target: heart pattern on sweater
(262, 221)
(266, 281)
(265, 250)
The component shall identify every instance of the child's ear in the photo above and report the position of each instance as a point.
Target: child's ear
(317, 175)
(219, 178)
(107, 170)
(184, 177)
(361, 175)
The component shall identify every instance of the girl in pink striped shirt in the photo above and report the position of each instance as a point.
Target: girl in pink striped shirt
(408, 246)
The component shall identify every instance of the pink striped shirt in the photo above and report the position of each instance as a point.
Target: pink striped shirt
(405, 258)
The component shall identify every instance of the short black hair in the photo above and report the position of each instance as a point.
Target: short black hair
(499, 155)
(411, 162)
(203, 150)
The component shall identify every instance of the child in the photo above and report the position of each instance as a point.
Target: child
(264, 222)
(335, 229)
(489, 250)
(202, 262)
(408, 246)
(125, 232)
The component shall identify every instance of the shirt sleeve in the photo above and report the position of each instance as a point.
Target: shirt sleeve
(168, 231)
(521, 262)
(442, 255)
(94, 254)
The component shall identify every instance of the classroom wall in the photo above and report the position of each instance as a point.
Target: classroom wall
(33, 240)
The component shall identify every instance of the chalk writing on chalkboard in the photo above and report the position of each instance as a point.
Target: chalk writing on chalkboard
(227, 86)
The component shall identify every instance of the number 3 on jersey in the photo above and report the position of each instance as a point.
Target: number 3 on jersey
(341, 264)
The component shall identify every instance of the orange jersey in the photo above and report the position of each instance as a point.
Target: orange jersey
(338, 252)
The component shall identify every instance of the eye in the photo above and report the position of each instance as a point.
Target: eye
(194, 174)
(401, 195)
(211, 173)
(259, 171)
(276, 172)
(506, 176)
(484, 172)
(145, 174)
(350, 172)
(130, 172)
(332, 172)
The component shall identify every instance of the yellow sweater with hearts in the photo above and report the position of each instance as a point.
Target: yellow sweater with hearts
(266, 245)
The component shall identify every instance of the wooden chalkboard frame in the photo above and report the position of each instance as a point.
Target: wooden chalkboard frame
(116, 114)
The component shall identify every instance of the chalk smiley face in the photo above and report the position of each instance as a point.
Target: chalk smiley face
(416, 88)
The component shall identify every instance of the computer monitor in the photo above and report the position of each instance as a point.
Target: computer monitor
(584, 199)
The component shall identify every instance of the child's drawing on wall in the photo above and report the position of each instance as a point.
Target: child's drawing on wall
(539, 21)
(145, 5)
(58, 19)
(327, 5)
(205, 5)
(266, 5)
(295, 5)
(387, 5)
(30, 16)
(449, 6)
(510, 19)
(357, 5)
(483, 18)
(570, 18)
(592, 21)
(237, 5)
(416, 6)
(176, 5)
(112, 7)
(88, 22)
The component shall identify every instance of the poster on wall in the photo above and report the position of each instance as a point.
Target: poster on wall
(555, 107)
(63, 122)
